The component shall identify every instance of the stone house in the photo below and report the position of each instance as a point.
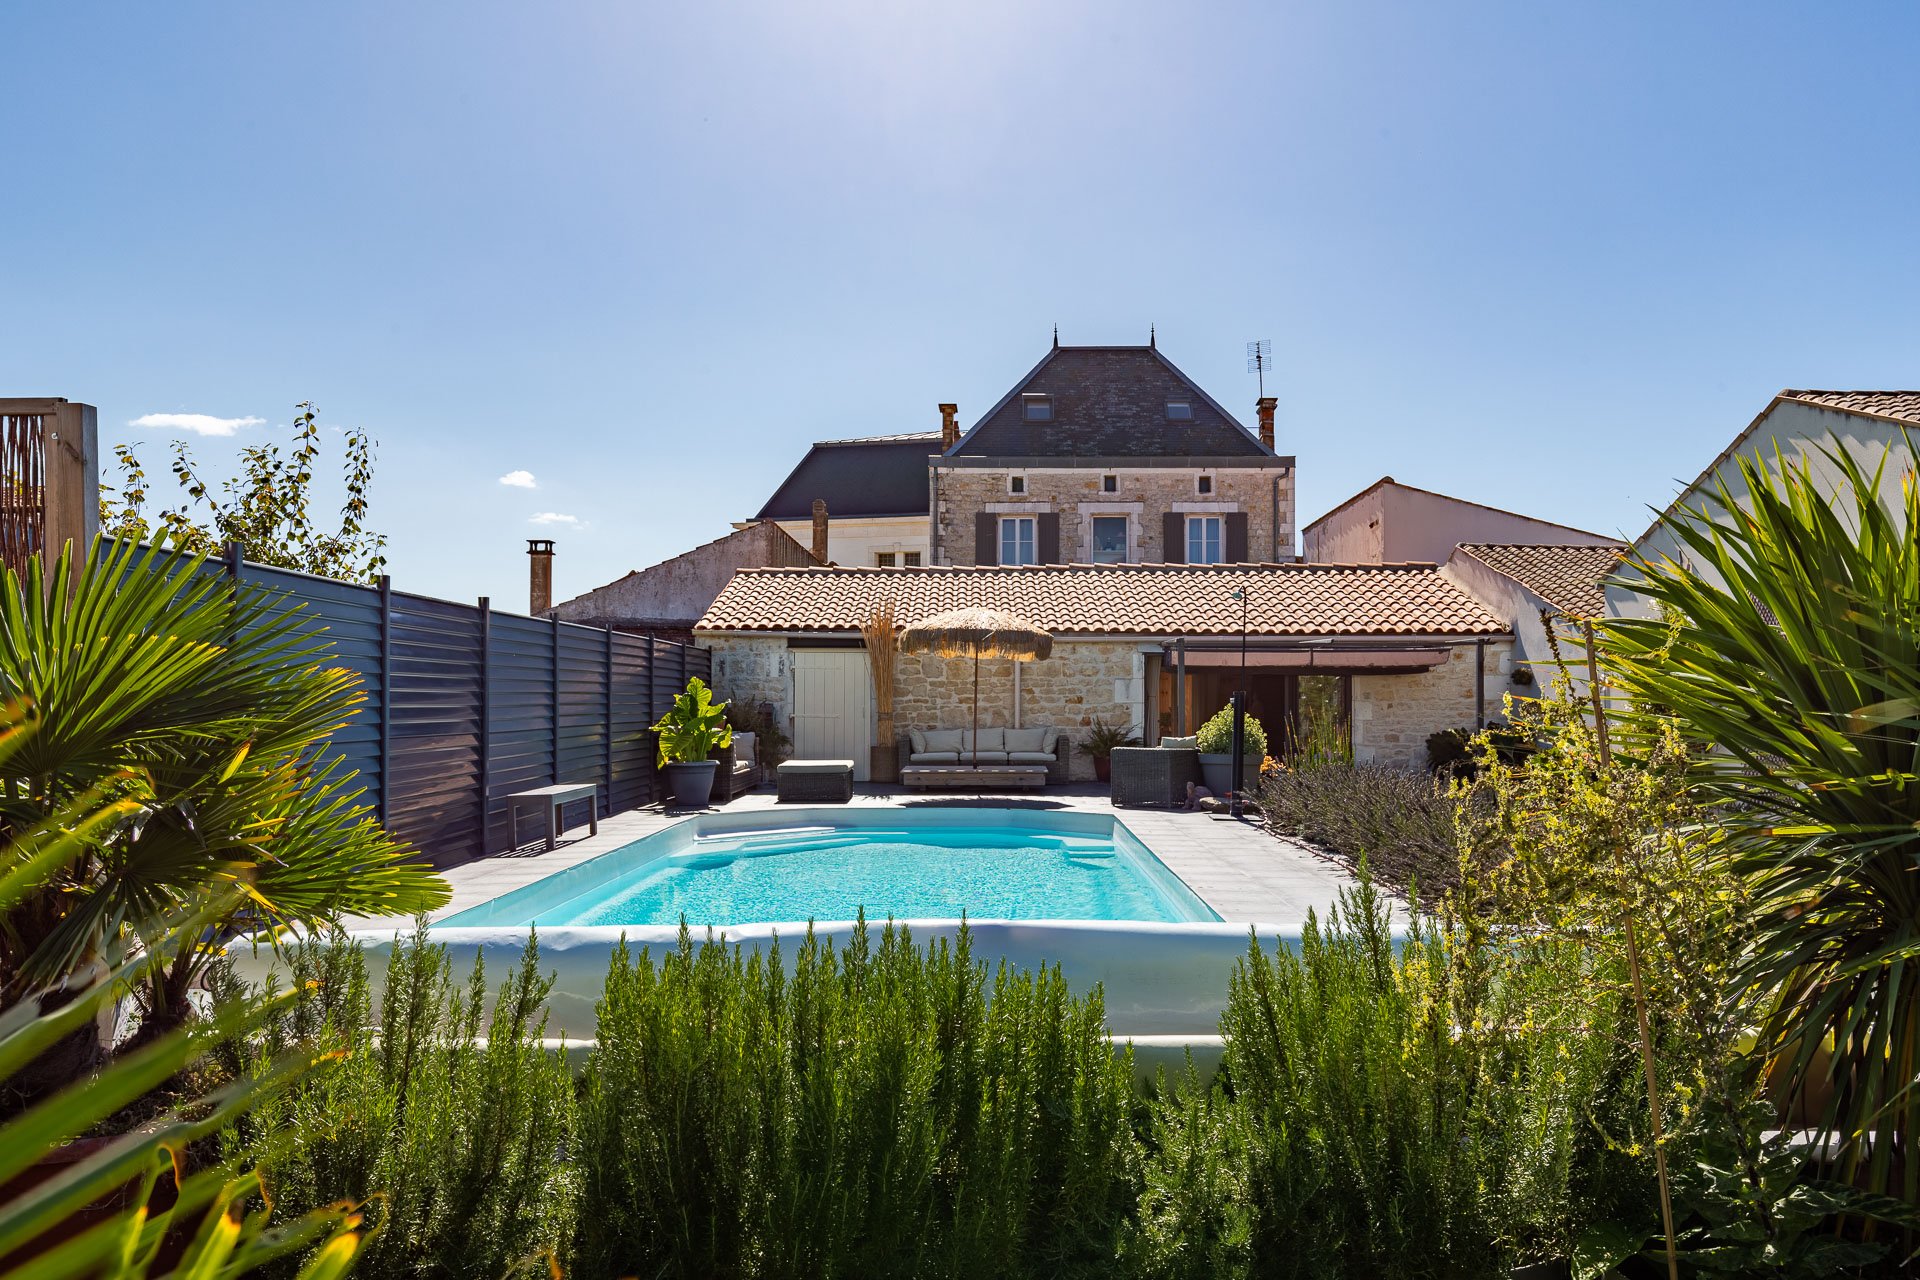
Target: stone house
(858, 502)
(1110, 455)
(1391, 653)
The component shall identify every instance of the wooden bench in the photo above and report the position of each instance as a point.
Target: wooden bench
(553, 799)
(966, 775)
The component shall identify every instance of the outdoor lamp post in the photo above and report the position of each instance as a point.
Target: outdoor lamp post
(1240, 713)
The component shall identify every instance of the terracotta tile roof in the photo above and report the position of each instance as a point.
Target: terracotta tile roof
(1136, 600)
(1904, 405)
(1567, 576)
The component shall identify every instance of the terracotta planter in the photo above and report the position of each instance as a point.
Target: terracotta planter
(1103, 768)
(691, 782)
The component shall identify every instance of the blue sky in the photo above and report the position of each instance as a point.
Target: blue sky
(1540, 255)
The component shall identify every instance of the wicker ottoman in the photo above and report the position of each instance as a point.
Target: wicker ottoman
(815, 781)
(1153, 775)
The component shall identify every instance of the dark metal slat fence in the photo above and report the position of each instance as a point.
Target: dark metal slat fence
(466, 705)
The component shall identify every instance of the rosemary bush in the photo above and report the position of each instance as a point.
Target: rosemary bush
(872, 1110)
(1410, 1110)
(457, 1122)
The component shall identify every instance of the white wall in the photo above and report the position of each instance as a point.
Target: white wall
(1396, 523)
(1799, 431)
(854, 541)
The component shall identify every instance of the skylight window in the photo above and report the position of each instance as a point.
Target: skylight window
(1039, 408)
(1180, 410)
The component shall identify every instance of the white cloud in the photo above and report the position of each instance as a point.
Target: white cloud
(554, 517)
(519, 479)
(199, 423)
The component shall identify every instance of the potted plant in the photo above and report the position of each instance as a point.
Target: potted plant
(1102, 738)
(689, 734)
(1216, 751)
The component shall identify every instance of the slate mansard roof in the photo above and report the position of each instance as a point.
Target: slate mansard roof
(1567, 576)
(1108, 402)
(873, 476)
(1129, 600)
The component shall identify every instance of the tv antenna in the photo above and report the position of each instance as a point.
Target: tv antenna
(1259, 360)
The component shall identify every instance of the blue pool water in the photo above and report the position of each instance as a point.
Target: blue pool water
(1008, 872)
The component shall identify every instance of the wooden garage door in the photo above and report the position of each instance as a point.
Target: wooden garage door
(832, 707)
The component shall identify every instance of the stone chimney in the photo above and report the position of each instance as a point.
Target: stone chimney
(1265, 406)
(820, 530)
(539, 575)
(949, 426)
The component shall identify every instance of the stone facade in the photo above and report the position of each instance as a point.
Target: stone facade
(1080, 682)
(1143, 494)
(1393, 714)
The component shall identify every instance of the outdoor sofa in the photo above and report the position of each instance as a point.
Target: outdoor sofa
(739, 769)
(946, 757)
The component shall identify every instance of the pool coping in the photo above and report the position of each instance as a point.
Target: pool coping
(1241, 871)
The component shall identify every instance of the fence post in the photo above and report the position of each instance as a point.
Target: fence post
(386, 696)
(608, 729)
(554, 701)
(486, 725)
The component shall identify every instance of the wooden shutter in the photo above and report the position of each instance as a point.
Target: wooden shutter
(1233, 525)
(986, 538)
(1046, 538)
(1174, 531)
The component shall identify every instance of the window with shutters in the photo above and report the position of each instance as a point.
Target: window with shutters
(1203, 540)
(1016, 540)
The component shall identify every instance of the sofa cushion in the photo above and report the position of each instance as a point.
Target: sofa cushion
(1030, 757)
(1181, 744)
(941, 740)
(985, 757)
(918, 737)
(990, 740)
(743, 748)
(1027, 740)
(934, 757)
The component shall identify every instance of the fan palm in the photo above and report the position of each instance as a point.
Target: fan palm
(1791, 648)
(202, 711)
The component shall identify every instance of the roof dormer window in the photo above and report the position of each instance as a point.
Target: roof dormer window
(1180, 410)
(1039, 408)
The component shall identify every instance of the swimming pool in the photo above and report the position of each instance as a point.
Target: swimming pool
(934, 865)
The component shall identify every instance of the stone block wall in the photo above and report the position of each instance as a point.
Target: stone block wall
(1145, 495)
(1392, 715)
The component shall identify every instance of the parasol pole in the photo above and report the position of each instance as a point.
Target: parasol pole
(976, 708)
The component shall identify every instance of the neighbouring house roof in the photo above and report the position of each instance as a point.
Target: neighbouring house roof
(1465, 502)
(1108, 402)
(1565, 575)
(871, 476)
(1134, 600)
(1899, 406)
(670, 596)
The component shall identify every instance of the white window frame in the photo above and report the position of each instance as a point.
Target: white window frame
(1126, 537)
(1110, 484)
(1020, 534)
(1017, 485)
(1204, 486)
(1044, 403)
(1200, 531)
(1184, 403)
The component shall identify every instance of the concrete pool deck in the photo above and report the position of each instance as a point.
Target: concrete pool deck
(1240, 870)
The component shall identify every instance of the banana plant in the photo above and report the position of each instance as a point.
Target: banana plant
(695, 728)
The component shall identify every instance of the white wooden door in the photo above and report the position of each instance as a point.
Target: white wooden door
(832, 707)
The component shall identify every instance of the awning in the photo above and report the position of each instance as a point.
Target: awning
(1330, 660)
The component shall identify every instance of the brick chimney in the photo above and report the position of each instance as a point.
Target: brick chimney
(820, 530)
(1265, 406)
(949, 426)
(539, 575)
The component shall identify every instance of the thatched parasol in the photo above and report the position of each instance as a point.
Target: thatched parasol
(977, 633)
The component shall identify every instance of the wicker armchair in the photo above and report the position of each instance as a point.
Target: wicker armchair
(734, 775)
(1153, 775)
